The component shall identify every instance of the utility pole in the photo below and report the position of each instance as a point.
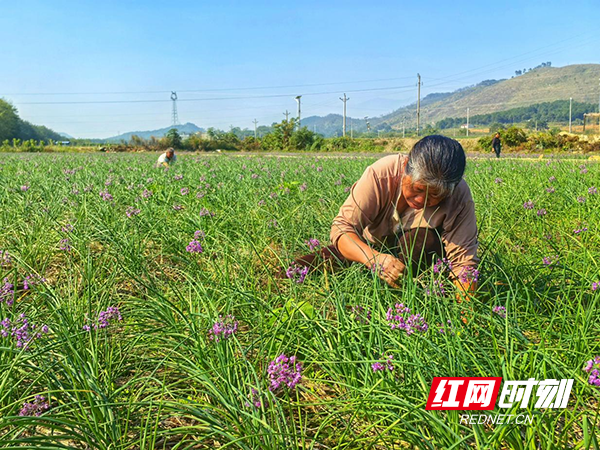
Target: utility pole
(570, 111)
(255, 122)
(368, 124)
(299, 119)
(286, 114)
(345, 99)
(467, 122)
(418, 103)
(403, 129)
(351, 133)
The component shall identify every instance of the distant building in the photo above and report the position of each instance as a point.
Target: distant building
(465, 126)
(63, 143)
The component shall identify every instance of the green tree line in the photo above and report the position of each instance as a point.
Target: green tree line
(557, 111)
(13, 127)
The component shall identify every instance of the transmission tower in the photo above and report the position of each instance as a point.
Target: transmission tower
(175, 117)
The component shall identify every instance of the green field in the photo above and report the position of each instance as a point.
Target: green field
(89, 233)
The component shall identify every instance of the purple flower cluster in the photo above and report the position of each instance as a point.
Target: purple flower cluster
(312, 244)
(68, 228)
(550, 190)
(284, 371)
(528, 205)
(5, 259)
(184, 191)
(469, 275)
(592, 190)
(400, 318)
(178, 177)
(132, 211)
(387, 365)
(111, 314)
(303, 187)
(256, 399)
(595, 286)
(447, 328)
(32, 280)
(542, 212)
(25, 188)
(581, 199)
(296, 273)
(147, 193)
(223, 328)
(177, 207)
(7, 293)
(593, 368)
(580, 230)
(498, 181)
(23, 332)
(65, 245)
(550, 260)
(500, 310)
(442, 265)
(106, 196)
(437, 289)
(205, 212)
(195, 246)
(361, 315)
(36, 408)
(552, 179)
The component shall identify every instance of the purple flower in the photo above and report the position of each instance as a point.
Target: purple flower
(581, 199)
(397, 319)
(437, 289)
(5, 259)
(199, 234)
(500, 310)
(552, 179)
(261, 203)
(106, 196)
(178, 177)
(303, 187)
(65, 245)
(528, 205)
(254, 176)
(200, 194)
(194, 247)
(147, 193)
(388, 365)
(205, 212)
(550, 260)
(131, 211)
(24, 333)
(580, 230)
(595, 286)
(550, 190)
(223, 328)
(273, 223)
(449, 329)
(25, 188)
(184, 191)
(36, 408)
(177, 207)
(469, 275)
(542, 212)
(32, 280)
(284, 371)
(593, 368)
(312, 244)
(442, 265)
(592, 190)
(7, 293)
(584, 170)
(297, 273)
(105, 318)
(256, 399)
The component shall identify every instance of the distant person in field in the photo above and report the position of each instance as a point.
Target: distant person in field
(497, 145)
(167, 158)
(414, 211)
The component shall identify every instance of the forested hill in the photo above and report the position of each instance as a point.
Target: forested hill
(13, 127)
(540, 85)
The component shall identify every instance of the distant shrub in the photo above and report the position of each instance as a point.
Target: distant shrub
(513, 137)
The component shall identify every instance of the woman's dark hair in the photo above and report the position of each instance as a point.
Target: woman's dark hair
(438, 162)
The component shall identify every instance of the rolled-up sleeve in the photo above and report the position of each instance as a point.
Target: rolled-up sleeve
(360, 208)
(460, 238)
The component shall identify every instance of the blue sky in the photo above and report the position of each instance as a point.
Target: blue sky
(140, 50)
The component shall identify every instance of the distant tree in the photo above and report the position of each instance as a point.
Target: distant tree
(174, 139)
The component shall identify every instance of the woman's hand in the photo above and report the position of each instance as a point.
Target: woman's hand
(388, 267)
